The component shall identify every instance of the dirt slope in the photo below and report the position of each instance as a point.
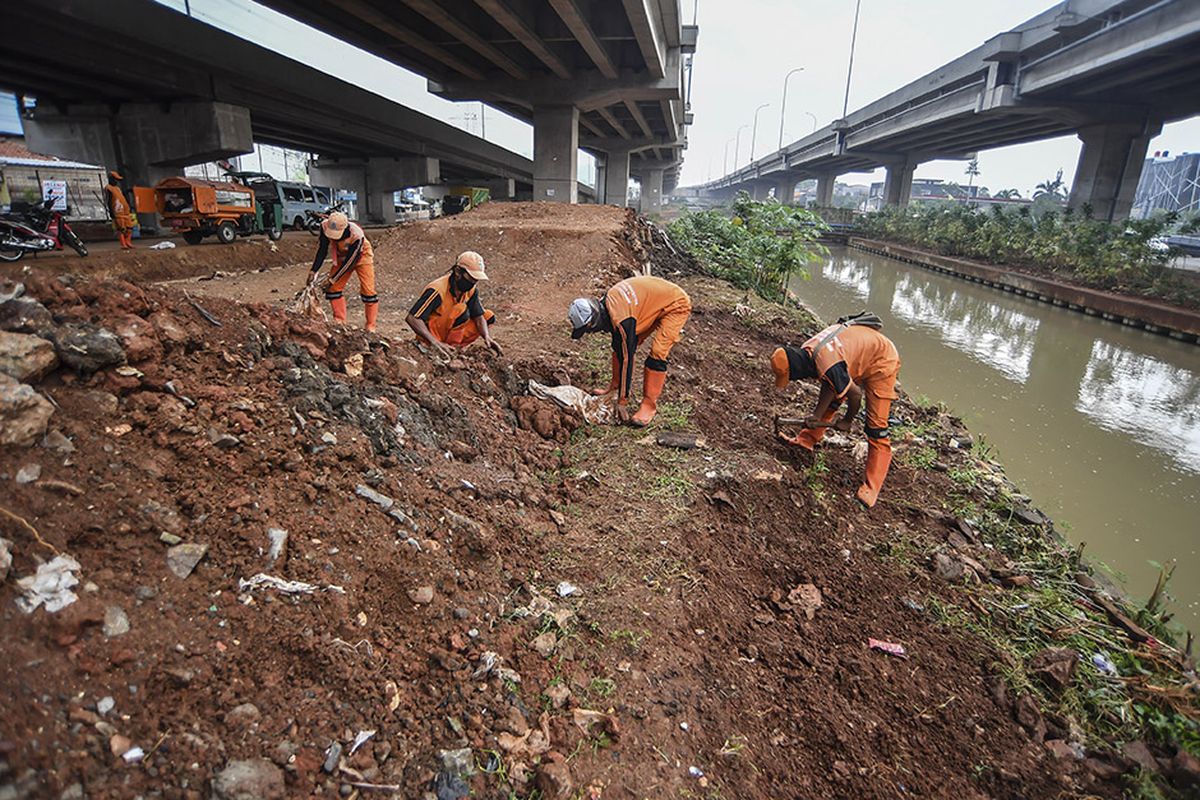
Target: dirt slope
(449, 630)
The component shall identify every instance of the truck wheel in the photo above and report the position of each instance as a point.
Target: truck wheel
(274, 234)
(226, 232)
(298, 223)
(193, 237)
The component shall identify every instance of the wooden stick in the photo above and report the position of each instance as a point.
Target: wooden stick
(22, 521)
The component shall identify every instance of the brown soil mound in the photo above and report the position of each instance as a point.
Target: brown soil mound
(590, 614)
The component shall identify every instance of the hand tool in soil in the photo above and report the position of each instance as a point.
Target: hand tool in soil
(781, 422)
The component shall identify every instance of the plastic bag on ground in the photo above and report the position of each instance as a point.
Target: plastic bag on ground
(596, 410)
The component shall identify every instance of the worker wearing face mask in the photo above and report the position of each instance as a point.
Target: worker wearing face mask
(449, 313)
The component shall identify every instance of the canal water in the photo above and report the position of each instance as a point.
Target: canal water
(1097, 422)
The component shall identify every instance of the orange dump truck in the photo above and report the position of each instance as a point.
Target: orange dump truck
(197, 208)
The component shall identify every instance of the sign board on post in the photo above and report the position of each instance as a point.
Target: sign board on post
(56, 190)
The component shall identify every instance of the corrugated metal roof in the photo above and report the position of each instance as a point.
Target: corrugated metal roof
(44, 164)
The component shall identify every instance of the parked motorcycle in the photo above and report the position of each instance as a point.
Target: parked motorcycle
(43, 217)
(17, 239)
(313, 219)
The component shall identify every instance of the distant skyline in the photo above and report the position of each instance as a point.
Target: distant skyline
(745, 49)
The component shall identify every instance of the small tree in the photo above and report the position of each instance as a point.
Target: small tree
(972, 172)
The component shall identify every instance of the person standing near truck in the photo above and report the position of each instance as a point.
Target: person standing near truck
(119, 209)
(351, 253)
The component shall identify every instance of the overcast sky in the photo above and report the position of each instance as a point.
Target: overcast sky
(745, 49)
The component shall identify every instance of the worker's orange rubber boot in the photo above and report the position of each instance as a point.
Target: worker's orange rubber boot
(616, 379)
(652, 386)
(879, 458)
(338, 304)
(371, 310)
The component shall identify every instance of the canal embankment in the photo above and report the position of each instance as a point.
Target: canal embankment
(1178, 323)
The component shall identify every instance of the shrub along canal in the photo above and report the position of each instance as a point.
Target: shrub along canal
(1099, 423)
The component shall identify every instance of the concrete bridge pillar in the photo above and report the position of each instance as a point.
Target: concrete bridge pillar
(825, 184)
(616, 178)
(897, 186)
(652, 190)
(761, 191)
(1110, 165)
(556, 153)
(375, 181)
(785, 190)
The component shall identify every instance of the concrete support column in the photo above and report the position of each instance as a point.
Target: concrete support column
(897, 186)
(375, 181)
(556, 154)
(785, 190)
(652, 191)
(616, 178)
(1110, 165)
(825, 184)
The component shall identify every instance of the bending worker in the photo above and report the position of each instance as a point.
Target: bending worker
(449, 313)
(850, 358)
(119, 209)
(631, 311)
(351, 253)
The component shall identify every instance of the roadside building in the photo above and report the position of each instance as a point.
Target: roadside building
(27, 177)
(1168, 184)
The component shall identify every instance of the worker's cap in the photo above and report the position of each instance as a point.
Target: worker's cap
(582, 314)
(791, 363)
(116, 176)
(472, 262)
(335, 225)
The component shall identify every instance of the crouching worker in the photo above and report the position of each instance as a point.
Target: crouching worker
(351, 253)
(449, 313)
(632, 310)
(850, 358)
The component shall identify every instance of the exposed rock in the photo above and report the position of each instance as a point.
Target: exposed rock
(5, 558)
(1029, 716)
(242, 716)
(26, 358)
(183, 558)
(139, 339)
(558, 694)
(421, 595)
(116, 622)
(545, 644)
(24, 414)
(24, 314)
(1055, 666)
(1140, 754)
(1185, 770)
(947, 568)
(87, 348)
(57, 442)
(29, 473)
(258, 779)
(170, 330)
(1029, 516)
(554, 776)
(1062, 750)
(222, 440)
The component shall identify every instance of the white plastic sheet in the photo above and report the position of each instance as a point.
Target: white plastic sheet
(50, 586)
(596, 410)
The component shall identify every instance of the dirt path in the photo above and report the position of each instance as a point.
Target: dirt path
(679, 669)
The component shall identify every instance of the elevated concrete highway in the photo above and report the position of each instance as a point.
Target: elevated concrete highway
(1110, 71)
(134, 84)
(604, 75)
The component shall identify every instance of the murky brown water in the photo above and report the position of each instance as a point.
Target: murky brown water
(1097, 422)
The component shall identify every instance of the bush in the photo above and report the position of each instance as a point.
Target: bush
(1102, 254)
(760, 248)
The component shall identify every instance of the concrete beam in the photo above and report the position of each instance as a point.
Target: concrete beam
(638, 117)
(375, 181)
(572, 17)
(1110, 166)
(645, 22)
(652, 191)
(633, 144)
(384, 23)
(587, 92)
(514, 24)
(447, 22)
(556, 153)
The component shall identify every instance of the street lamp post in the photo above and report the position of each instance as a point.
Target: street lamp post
(850, 68)
(814, 119)
(737, 147)
(754, 130)
(783, 104)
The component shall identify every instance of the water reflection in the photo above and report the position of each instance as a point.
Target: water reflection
(1154, 402)
(1098, 422)
(999, 337)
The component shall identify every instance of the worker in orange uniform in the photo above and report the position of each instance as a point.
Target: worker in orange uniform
(631, 311)
(120, 210)
(850, 358)
(449, 312)
(351, 253)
